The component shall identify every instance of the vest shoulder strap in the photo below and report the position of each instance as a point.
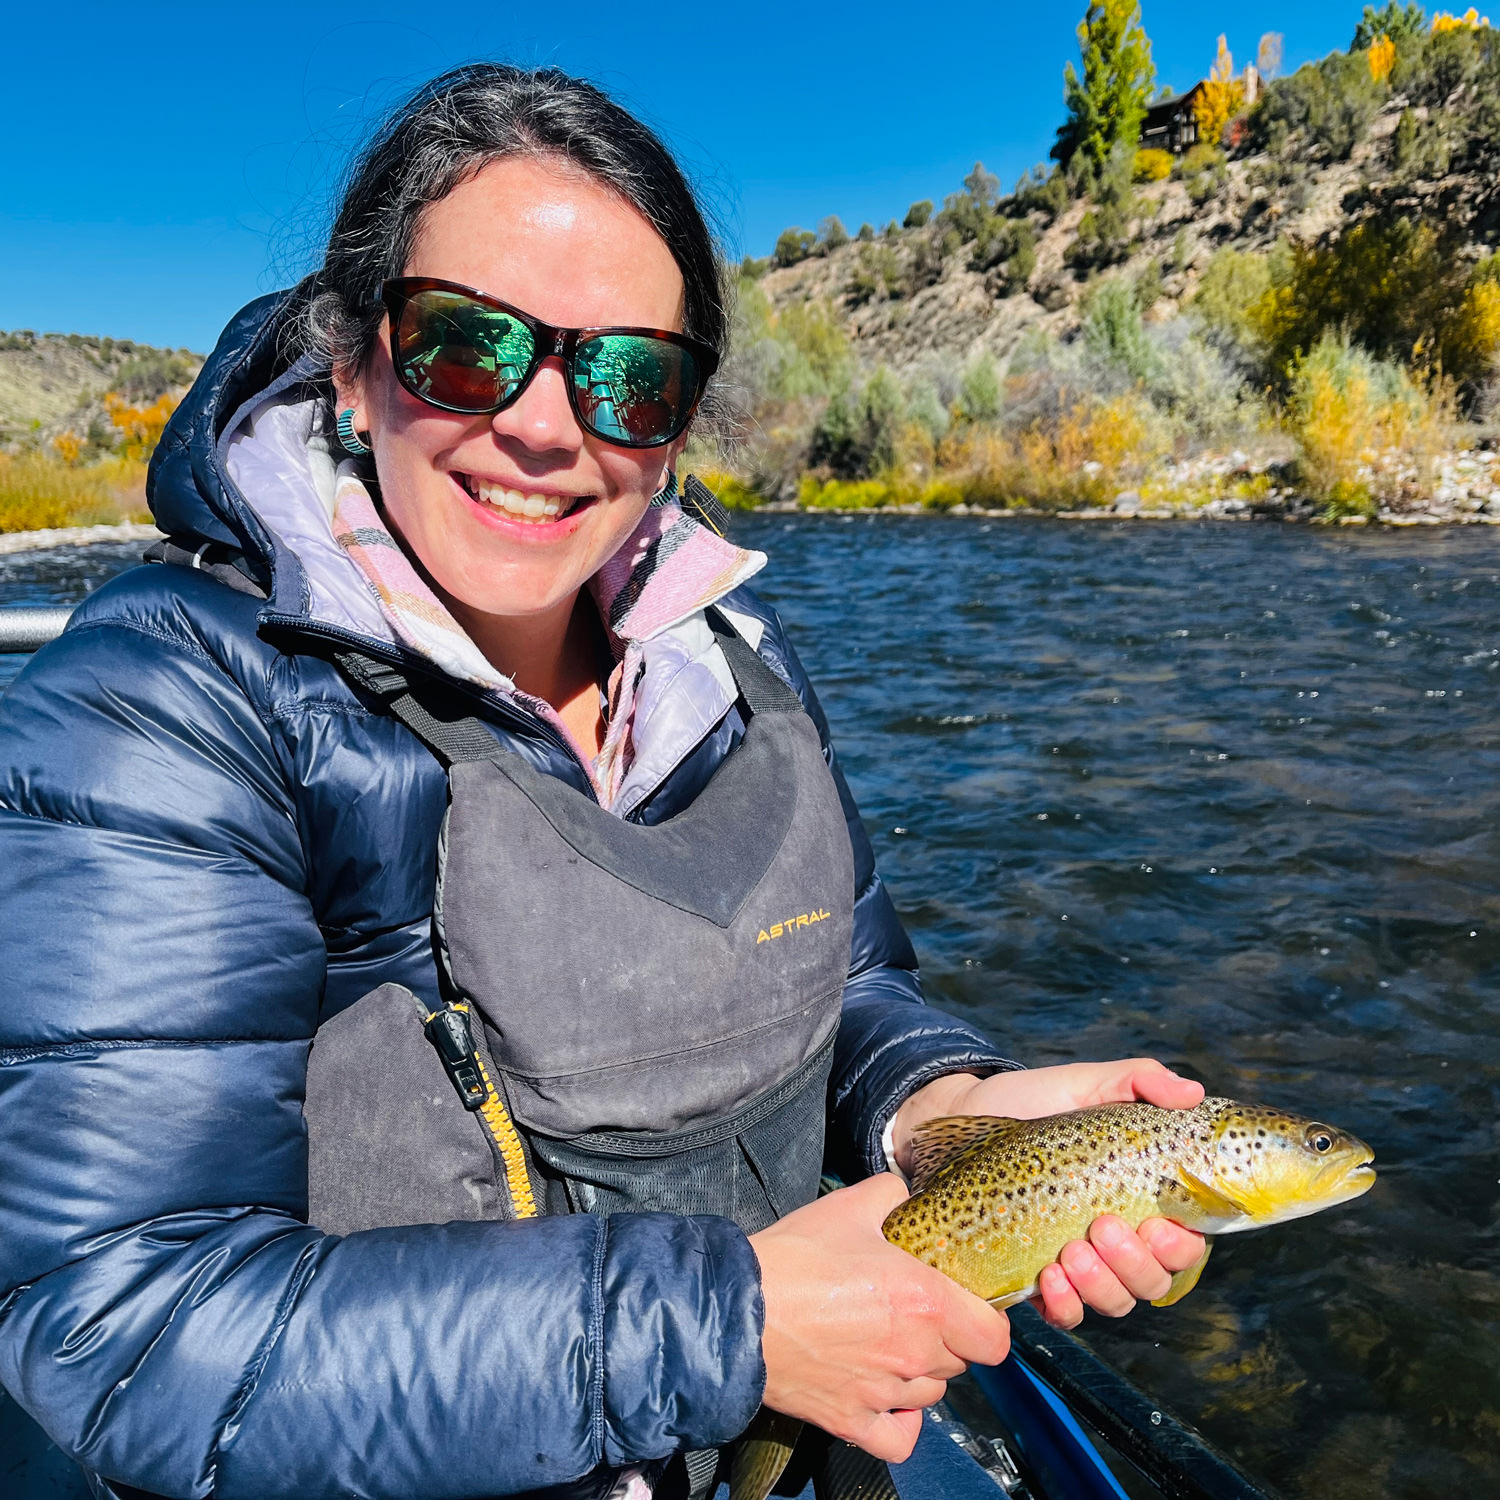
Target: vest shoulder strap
(437, 717)
(761, 689)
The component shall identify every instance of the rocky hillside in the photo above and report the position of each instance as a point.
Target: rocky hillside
(55, 383)
(906, 301)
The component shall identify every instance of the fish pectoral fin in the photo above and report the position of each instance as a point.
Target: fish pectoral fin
(1184, 1281)
(935, 1143)
(1195, 1204)
(762, 1454)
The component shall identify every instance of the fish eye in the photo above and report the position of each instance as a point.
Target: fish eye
(1319, 1138)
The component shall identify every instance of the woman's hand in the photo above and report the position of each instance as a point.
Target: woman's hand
(1115, 1266)
(859, 1335)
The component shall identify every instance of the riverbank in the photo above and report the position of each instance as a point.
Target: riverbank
(1457, 487)
(76, 536)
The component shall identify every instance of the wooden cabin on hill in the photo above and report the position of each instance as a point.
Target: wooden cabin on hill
(1172, 123)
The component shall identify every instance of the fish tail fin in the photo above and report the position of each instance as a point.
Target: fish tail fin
(762, 1454)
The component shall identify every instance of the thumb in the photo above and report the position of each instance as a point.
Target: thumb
(1157, 1084)
(876, 1195)
(891, 1435)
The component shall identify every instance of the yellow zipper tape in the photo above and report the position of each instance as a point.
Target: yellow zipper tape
(507, 1139)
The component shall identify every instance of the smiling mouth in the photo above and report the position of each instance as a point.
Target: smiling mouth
(521, 505)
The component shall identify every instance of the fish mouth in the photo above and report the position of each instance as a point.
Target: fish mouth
(1352, 1182)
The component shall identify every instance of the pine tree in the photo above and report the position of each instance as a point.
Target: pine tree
(1107, 105)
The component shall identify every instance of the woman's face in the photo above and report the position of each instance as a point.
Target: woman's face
(559, 245)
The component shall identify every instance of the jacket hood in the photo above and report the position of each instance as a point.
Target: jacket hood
(189, 493)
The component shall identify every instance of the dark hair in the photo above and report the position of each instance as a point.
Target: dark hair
(443, 134)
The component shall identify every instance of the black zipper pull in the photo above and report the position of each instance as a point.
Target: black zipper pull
(448, 1031)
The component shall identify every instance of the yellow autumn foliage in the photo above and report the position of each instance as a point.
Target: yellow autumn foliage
(1471, 20)
(1219, 99)
(1382, 57)
(1367, 430)
(1152, 165)
(141, 426)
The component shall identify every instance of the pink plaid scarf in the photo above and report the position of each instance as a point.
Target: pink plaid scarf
(668, 569)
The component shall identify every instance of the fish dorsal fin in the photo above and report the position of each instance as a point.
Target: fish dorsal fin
(935, 1143)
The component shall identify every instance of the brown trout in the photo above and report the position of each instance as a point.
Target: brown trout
(994, 1200)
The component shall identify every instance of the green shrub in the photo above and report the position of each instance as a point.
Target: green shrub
(925, 407)
(918, 214)
(982, 186)
(1041, 191)
(1322, 110)
(1022, 263)
(1399, 22)
(1399, 289)
(831, 233)
(857, 435)
(148, 376)
(1230, 289)
(979, 391)
(793, 245)
(967, 215)
(928, 253)
(1104, 231)
(1113, 331)
(866, 233)
(877, 273)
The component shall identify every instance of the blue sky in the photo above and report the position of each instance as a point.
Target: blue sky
(164, 163)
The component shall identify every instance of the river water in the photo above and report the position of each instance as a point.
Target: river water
(1227, 795)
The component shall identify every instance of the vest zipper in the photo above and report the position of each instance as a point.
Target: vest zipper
(502, 1132)
(451, 1030)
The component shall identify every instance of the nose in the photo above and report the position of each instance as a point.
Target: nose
(541, 419)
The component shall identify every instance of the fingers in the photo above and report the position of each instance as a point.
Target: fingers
(1060, 1303)
(1093, 1280)
(1114, 1268)
(1175, 1247)
(874, 1196)
(1158, 1084)
(1129, 1258)
(974, 1332)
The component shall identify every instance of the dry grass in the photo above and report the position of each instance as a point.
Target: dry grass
(38, 492)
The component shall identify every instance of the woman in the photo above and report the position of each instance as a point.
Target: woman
(415, 755)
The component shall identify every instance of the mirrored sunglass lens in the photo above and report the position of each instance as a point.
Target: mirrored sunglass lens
(632, 388)
(461, 353)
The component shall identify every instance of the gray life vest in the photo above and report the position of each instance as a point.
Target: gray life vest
(636, 1017)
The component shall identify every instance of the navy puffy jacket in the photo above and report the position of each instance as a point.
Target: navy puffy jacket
(209, 844)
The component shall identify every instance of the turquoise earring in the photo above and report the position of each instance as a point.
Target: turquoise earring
(348, 436)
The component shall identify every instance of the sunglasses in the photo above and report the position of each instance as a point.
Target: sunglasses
(462, 351)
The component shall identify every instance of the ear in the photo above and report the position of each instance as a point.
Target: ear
(349, 390)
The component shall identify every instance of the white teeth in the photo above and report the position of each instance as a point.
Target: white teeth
(515, 504)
